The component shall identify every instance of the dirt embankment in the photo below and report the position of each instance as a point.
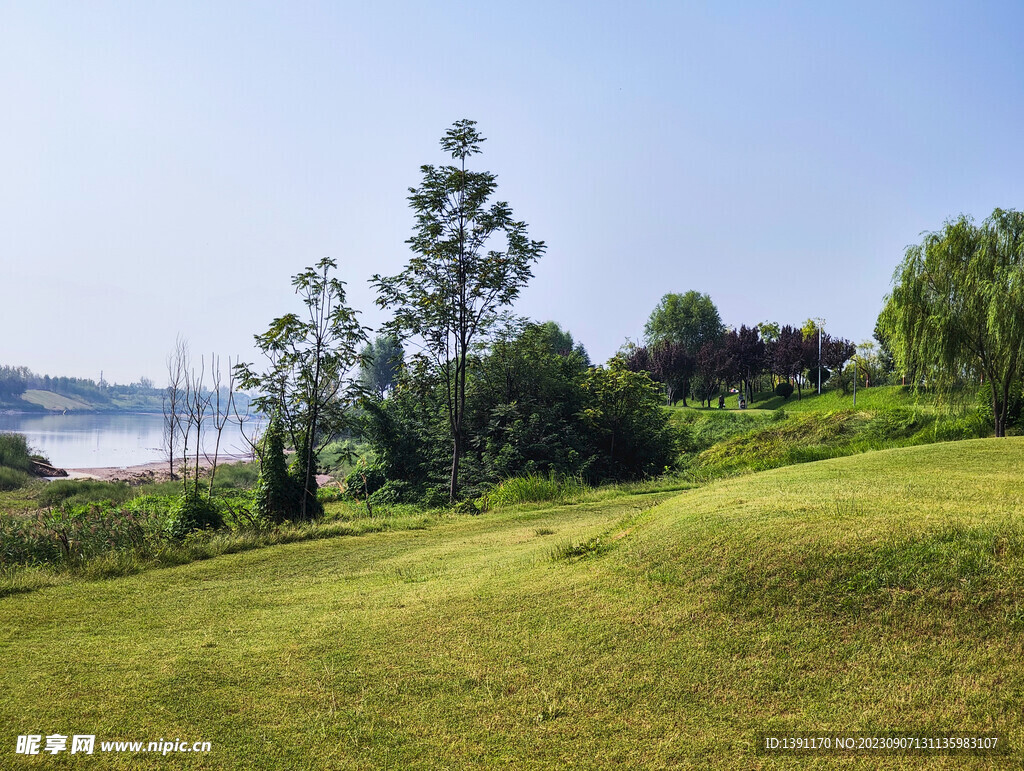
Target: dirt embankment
(43, 469)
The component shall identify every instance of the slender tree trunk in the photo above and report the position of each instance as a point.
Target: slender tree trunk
(1000, 407)
(456, 457)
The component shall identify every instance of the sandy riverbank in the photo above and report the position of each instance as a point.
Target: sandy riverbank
(157, 471)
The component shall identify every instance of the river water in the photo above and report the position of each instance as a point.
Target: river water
(96, 440)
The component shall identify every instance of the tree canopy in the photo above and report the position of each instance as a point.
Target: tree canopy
(690, 319)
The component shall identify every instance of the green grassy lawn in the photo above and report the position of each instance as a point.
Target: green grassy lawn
(876, 398)
(878, 592)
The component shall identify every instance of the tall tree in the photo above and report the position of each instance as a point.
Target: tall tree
(308, 382)
(836, 351)
(789, 356)
(382, 359)
(710, 368)
(769, 333)
(957, 307)
(666, 362)
(173, 400)
(673, 367)
(454, 287)
(746, 350)
(688, 320)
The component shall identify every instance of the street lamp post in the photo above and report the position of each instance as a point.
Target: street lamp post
(821, 322)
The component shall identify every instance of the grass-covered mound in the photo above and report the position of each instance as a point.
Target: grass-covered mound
(898, 531)
(870, 593)
(718, 443)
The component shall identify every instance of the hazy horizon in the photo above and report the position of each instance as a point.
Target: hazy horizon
(168, 168)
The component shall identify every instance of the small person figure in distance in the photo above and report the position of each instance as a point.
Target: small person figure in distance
(721, 401)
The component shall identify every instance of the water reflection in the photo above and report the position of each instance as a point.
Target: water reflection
(96, 440)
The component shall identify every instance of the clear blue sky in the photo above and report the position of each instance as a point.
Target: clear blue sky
(166, 167)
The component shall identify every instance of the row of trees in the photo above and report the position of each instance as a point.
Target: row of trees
(14, 381)
(691, 353)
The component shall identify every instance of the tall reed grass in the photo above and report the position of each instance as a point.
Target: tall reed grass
(14, 452)
(534, 488)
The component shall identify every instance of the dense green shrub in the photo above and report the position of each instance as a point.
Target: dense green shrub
(630, 435)
(14, 452)
(307, 506)
(276, 495)
(365, 479)
(530, 412)
(193, 512)
(812, 377)
(390, 494)
(784, 389)
(435, 497)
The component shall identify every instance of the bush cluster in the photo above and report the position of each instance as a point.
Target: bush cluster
(278, 494)
(530, 411)
(75, 534)
(191, 512)
(784, 389)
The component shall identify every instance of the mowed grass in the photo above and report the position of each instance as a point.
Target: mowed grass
(878, 592)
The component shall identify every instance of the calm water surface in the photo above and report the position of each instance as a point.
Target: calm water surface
(97, 440)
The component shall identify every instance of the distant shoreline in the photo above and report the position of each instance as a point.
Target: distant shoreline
(44, 411)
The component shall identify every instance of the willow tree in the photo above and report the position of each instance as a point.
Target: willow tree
(454, 286)
(957, 307)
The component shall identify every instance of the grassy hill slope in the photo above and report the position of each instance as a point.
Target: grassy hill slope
(48, 400)
(722, 442)
(878, 592)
